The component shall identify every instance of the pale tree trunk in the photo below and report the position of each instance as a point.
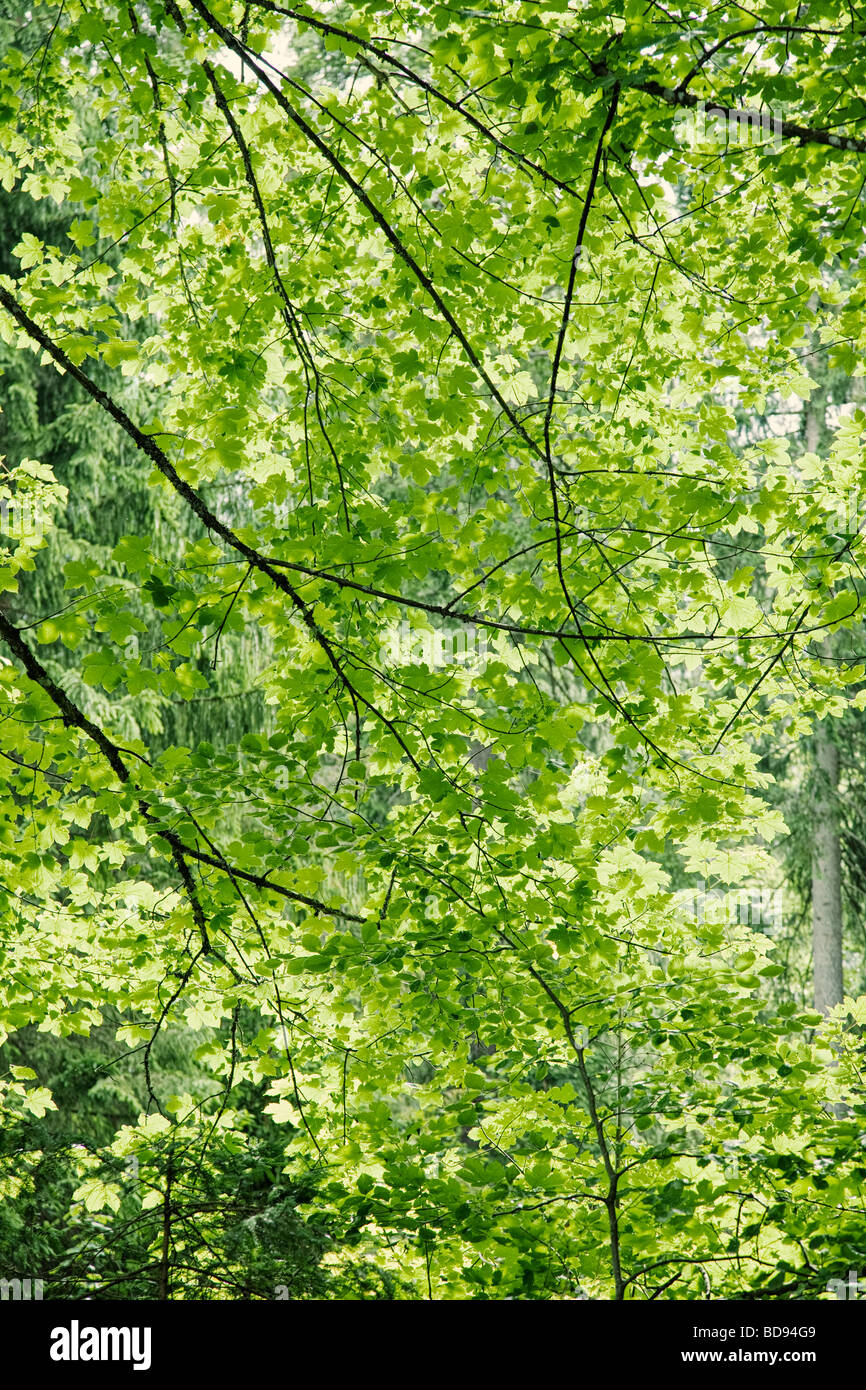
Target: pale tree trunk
(826, 876)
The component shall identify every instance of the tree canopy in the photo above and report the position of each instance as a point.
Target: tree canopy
(397, 741)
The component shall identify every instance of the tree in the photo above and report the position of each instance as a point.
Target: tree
(445, 321)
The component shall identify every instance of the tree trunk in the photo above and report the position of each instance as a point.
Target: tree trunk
(826, 876)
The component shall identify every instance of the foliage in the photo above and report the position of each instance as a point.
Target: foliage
(434, 331)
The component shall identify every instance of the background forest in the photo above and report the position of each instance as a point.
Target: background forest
(433, 795)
